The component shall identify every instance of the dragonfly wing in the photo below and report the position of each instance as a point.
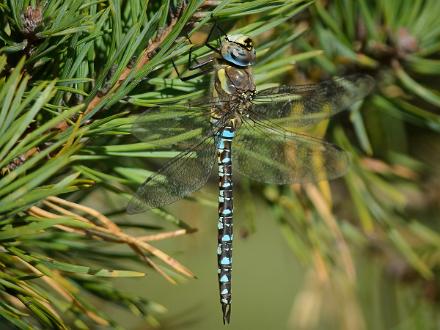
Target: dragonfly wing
(183, 174)
(172, 125)
(273, 155)
(176, 127)
(305, 105)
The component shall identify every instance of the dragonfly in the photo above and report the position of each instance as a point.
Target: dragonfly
(257, 131)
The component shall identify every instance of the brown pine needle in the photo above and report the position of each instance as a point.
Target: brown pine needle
(102, 218)
(111, 231)
(161, 236)
(324, 210)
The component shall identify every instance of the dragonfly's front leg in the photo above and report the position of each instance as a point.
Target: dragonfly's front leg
(205, 66)
(225, 211)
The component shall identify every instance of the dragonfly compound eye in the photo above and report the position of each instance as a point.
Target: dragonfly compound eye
(238, 50)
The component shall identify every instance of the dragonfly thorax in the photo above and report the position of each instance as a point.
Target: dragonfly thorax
(233, 83)
(238, 50)
(234, 90)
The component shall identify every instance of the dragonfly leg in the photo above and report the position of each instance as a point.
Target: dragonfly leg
(192, 76)
(199, 65)
(190, 67)
(207, 44)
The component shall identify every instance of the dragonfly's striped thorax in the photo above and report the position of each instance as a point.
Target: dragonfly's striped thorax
(233, 83)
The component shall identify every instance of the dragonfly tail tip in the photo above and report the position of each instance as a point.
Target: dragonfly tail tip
(226, 313)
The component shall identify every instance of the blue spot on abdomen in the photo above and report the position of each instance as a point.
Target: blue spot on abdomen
(224, 279)
(220, 144)
(228, 134)
(225, 261)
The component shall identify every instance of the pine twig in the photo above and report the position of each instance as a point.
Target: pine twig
(109, 231)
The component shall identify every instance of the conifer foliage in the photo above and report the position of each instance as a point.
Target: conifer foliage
(73, 76)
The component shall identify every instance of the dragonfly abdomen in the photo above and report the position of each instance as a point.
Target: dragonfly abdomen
(225, 212)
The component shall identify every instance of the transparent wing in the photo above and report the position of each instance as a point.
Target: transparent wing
(269, 154)
(183, 174)
(305, 105)
(172, 125)
(177, 127)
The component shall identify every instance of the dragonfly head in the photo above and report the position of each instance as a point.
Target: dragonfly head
(238, 49)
